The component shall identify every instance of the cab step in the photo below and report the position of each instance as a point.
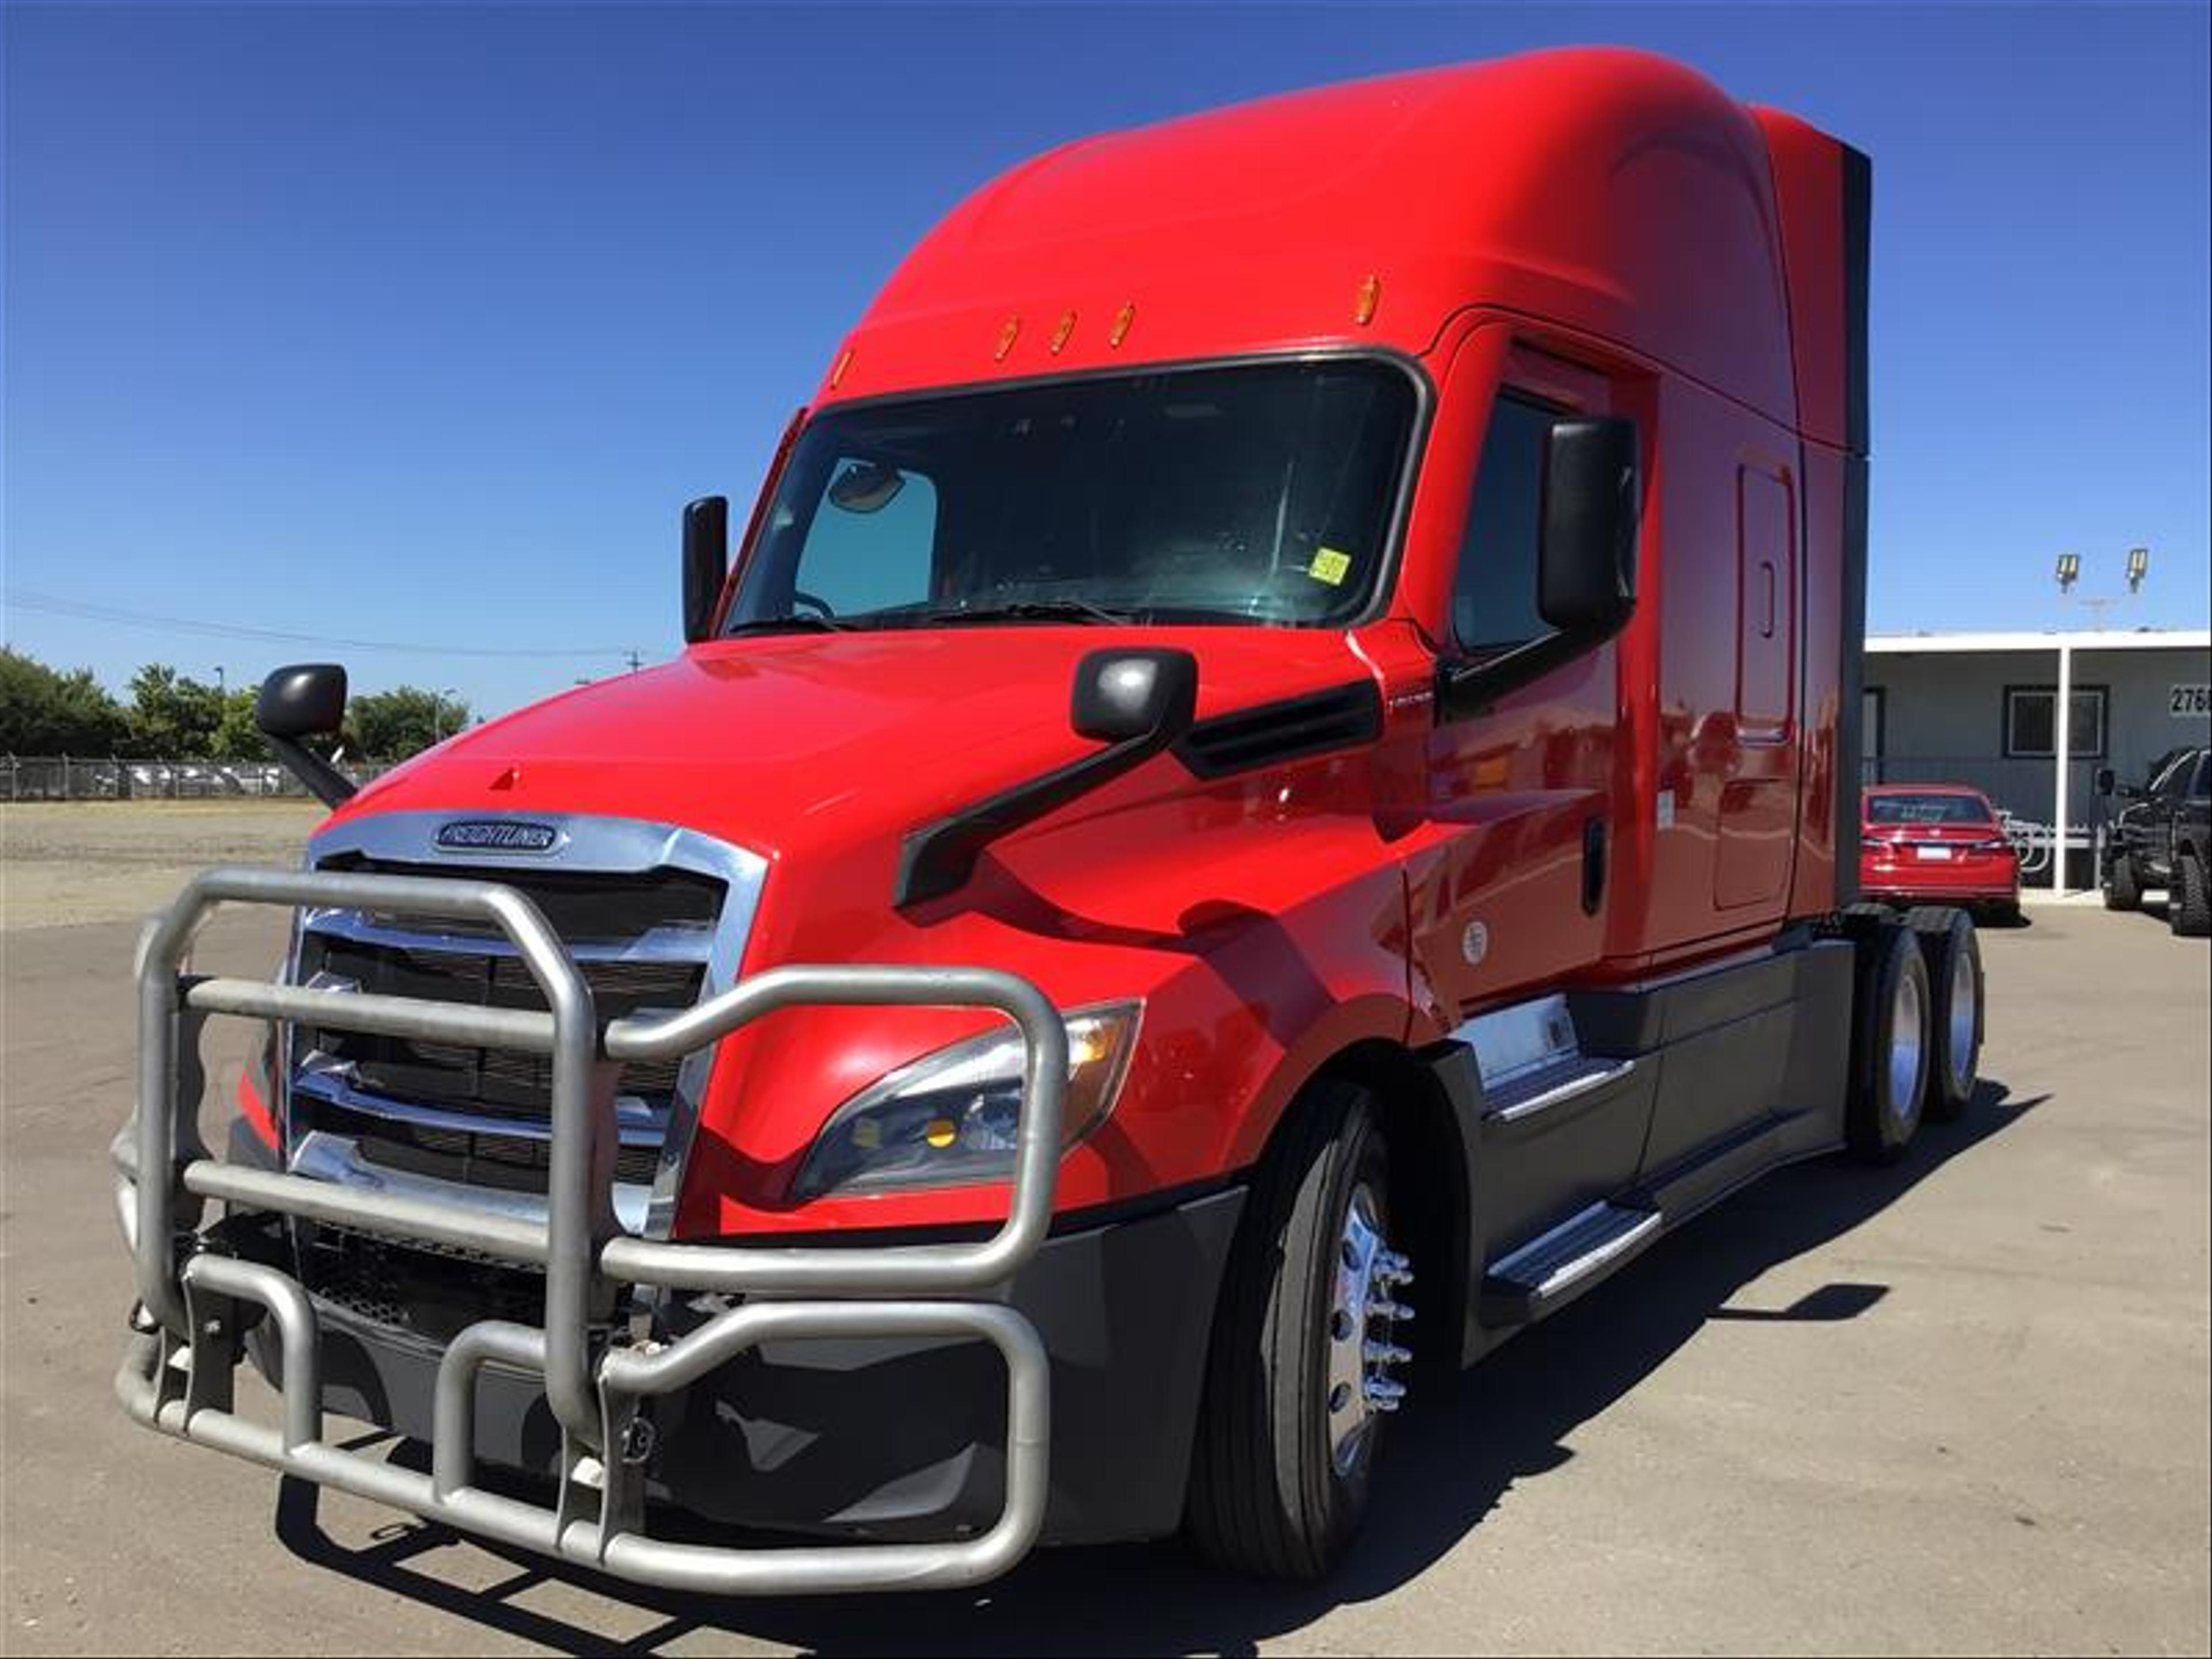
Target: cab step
(1554, 1266)
(1573, 1076)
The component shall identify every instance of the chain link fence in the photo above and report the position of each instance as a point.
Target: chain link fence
(76, 777)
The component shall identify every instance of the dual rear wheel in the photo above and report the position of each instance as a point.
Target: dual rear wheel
(1920, 1019)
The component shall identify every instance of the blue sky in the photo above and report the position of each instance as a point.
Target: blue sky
(419, 324)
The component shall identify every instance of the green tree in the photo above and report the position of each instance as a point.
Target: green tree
(391, 725)
(236, 736)
(173, 715)
(46, 711)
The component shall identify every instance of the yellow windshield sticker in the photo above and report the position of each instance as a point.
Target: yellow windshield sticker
(1329, 566)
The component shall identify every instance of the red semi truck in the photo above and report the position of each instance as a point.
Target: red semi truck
(1284, 721)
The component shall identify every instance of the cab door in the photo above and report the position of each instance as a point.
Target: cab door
(1509, 901)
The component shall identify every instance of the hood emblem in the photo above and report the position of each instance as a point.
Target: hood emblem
(496, 835)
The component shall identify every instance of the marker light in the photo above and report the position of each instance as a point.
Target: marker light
(950, 1119)
(1364, 303)
(1006, 337)
(1122, 319)
(838, 373)
(1060, 334)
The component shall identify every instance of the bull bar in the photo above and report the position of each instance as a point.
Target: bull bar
(179, 1377)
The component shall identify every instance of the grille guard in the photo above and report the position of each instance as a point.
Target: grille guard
(179, 1375)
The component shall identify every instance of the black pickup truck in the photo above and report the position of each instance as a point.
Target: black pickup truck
(2160, 839)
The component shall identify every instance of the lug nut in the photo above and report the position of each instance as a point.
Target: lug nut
(1385, 1395)
(1391, 1269)
(1396, 1312)
(1386, 1353)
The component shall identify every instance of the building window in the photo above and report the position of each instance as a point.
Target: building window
(2031, 721)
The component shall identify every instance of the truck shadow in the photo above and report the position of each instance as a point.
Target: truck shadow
(1447, 1465)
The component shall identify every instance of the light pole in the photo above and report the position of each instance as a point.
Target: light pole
(2061, 736)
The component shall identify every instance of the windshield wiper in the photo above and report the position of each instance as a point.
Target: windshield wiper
(1071, 611)
(789, 625)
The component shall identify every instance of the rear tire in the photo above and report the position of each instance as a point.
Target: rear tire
(1889, 1047)
(2188, 908)
(2122, 884)
(1957, 1013)
(1280, 1472)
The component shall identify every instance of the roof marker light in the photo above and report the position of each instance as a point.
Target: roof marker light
(1060, 334)
(1122, 319)
(837, 370)
(1006, 339)
(1363, 303)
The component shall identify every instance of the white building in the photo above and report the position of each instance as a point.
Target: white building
(1996, 710)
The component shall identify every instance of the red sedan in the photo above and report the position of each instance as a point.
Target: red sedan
(1937, 843)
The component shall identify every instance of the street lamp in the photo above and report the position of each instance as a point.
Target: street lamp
(2070, 571)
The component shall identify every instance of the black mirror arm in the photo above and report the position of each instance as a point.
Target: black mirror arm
(938, 858)
(324, 781)
(1464, 689)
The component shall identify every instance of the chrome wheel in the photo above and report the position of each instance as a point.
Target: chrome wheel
(1965, 1016)
(1363, 1318)
(1908, 1032)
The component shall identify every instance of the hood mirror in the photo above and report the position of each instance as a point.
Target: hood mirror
(306, 699)
(1124, 695)
(1137, 702)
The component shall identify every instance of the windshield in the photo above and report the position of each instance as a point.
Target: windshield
(1261, 494)
(1929, 809)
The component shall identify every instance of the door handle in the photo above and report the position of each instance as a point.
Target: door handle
(1593, 865)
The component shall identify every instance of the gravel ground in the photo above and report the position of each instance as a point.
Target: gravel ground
(1961, 1406)
(67, 863)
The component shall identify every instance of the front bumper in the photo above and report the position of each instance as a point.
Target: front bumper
(723, 1357)
(885, 1439)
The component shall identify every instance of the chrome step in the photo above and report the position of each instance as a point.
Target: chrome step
(1553, 1267)
(1568, 1078)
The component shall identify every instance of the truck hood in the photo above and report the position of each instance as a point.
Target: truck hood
(778, 743)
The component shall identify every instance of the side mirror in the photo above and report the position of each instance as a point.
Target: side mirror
(706, 563)
(2105, 781)
(1121, 695)
(1586, 560)
(1586, 571)
(305, 700)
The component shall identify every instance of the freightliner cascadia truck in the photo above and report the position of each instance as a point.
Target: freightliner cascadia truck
(1269, 796)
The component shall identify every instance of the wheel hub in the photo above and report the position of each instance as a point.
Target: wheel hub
(1363, 1320)
(1964, 1014)
(1907, 1024)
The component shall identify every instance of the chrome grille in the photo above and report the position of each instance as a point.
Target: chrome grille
(647, 940)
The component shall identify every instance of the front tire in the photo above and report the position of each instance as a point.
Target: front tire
(1296, 1391)
(2122, 884)
(1890, 1045)
(2188, 907)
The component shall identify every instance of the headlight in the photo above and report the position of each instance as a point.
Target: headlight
(948, 1119)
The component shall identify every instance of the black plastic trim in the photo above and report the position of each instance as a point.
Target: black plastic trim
(1858, 210)
(1343, 717)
